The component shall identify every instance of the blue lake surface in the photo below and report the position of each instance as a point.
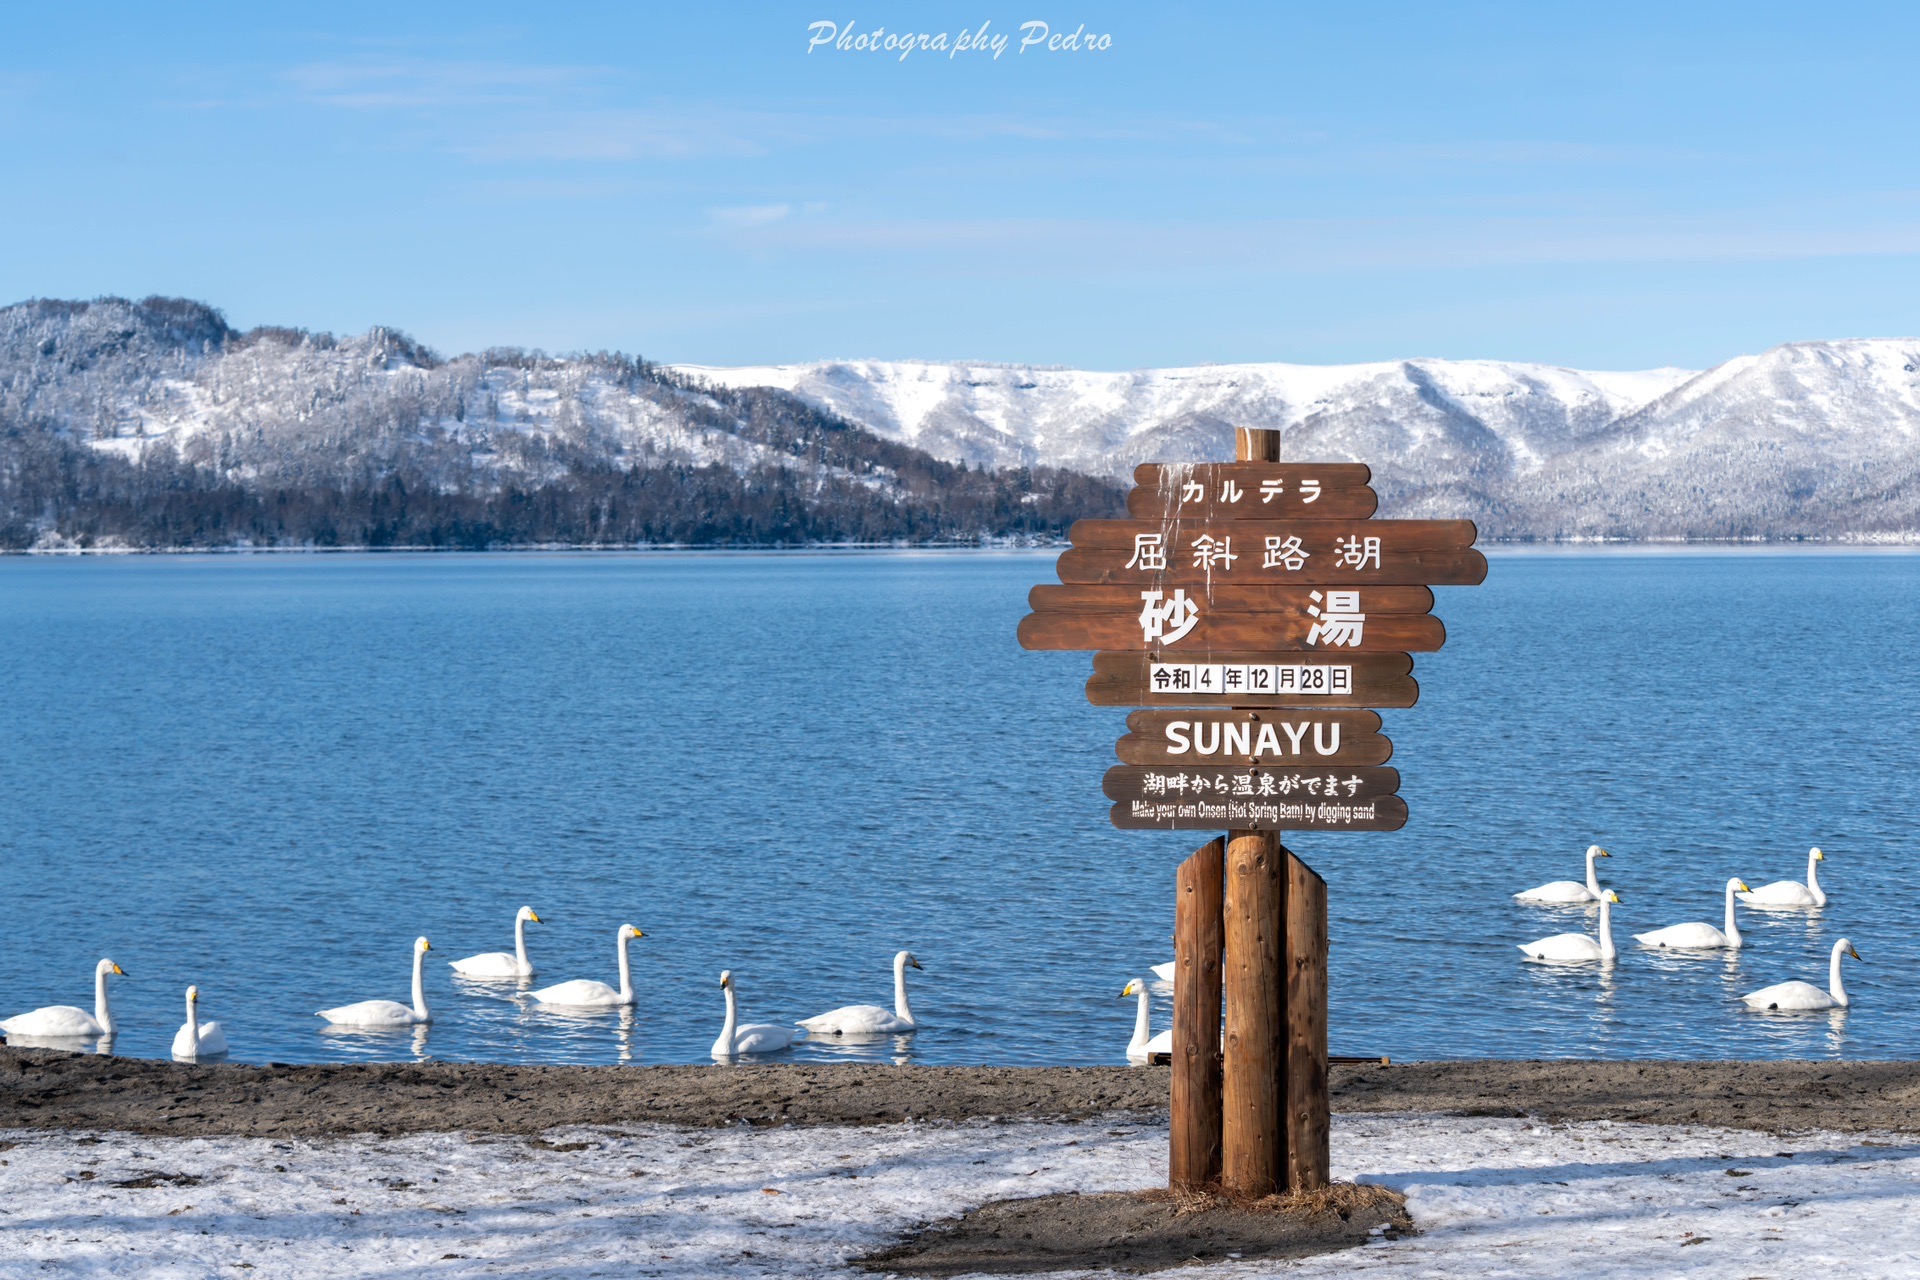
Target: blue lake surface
(268, 774)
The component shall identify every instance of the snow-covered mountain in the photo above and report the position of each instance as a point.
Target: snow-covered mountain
(1808, 439)
(153, 423)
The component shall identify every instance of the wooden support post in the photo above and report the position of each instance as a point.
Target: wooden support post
(1253, 1075)
(1253, 1091)
(1194, 1160)
(1309, 1108)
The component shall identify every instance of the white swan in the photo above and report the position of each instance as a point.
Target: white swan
(1164, 972)
(63, 1021)
(197, 1039)
(1144, 1043)
(1568, 890)
(1697, 936)
(758, 1037)
(871, 1019)
(585, 993)
(1791, 893)
(501, 964)
(1804, 995)
(388, 1013)
(1578, 946)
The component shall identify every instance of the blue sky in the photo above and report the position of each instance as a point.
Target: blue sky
(1603, 186)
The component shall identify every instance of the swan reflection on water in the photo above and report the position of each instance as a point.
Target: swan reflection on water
(379, 1041)
(877, 1048)
(102, 1045)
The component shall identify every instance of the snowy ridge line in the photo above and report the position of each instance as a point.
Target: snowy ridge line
(1809, 439)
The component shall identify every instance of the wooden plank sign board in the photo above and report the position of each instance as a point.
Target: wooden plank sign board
(1253, 737)
(1288, 782)
(1262, 492)
(1173, 620)
(1117, 566)
(1210, 813)
(1273, 552)
(1222, 598)
(1255, 679)
(1252, 490)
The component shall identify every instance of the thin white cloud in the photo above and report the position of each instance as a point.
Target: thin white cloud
(740, 217)
(1239, 247)
(622, 137)
(504, 112)
(416, 84)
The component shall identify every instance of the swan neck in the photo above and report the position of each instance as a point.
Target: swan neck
(1142, 1024)
(1733, 928)
(520, 941)
(419, 984)
(1835, 987)
(1606, 930)
(102, 1011)
(626, 973)
(724, 1045)
(1813, 876)
(1593, 878)
(193, 1022)
(901, 1009)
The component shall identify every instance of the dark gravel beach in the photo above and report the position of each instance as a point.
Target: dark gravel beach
(48, 1090)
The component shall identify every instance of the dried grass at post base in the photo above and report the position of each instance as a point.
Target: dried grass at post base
(1343, 1199)
(1140, 1232)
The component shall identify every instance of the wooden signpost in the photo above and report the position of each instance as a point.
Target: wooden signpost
(1258, 610)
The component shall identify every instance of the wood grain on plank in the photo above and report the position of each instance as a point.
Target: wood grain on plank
(1397, 537)
(1463, 567)
(1233, 598)
(1253, 503)
(1388, 632)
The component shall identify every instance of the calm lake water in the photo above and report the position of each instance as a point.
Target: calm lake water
(266, 775)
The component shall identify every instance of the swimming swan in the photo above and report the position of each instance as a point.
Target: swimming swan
(388, 1013)
(197, 1039)
(1697, 936)
(1804, 995)
(500, 964)
(1144, 1043)
(1164, 972)
(585, 993)
(1578, 946)
(1791, 893)
(1569, 890)
(63, 1021)
(758, 1037)
(871, 1019)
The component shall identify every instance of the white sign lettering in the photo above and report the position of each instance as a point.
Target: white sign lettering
(1340, 623)
(1214, 738)
(1170, 621)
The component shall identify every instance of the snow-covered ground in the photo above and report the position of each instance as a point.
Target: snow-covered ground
(1492, 1198)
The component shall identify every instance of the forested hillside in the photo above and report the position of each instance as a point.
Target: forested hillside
(154, 424)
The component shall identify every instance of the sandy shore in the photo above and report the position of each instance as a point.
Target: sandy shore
(45, 1090)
